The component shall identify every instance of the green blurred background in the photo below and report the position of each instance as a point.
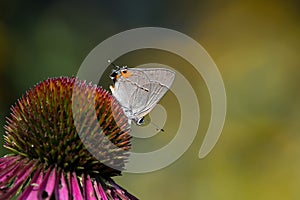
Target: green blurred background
(255, 45)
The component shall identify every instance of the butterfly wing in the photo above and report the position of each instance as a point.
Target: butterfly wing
(141, 89)
(163, 76)
(160, 82)
(126, 88)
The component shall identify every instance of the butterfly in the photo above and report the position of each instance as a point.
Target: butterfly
(138, 90)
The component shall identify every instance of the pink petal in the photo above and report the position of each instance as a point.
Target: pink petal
(73, 183)
(7, 174)
(88, 188)
(31, 190)
(21, 177)
(99, 191)
(7, 160)
(47, 186)
(61, 189)
(121, 191)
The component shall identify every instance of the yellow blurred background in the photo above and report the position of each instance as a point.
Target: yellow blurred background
(255, 45)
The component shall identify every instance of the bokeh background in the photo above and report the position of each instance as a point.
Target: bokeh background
(255, 45)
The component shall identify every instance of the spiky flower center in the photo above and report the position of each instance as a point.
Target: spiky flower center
(41, 127)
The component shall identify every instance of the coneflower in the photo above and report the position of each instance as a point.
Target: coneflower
(49, 160)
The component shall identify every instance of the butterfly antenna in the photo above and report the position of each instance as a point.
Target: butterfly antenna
(157, 127)
(109, 61)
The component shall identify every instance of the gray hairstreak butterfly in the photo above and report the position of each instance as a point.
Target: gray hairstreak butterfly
(138, 90)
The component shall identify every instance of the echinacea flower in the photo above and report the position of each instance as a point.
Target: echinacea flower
(49, 159)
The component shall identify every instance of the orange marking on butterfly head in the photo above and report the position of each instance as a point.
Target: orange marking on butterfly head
(125, 73)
